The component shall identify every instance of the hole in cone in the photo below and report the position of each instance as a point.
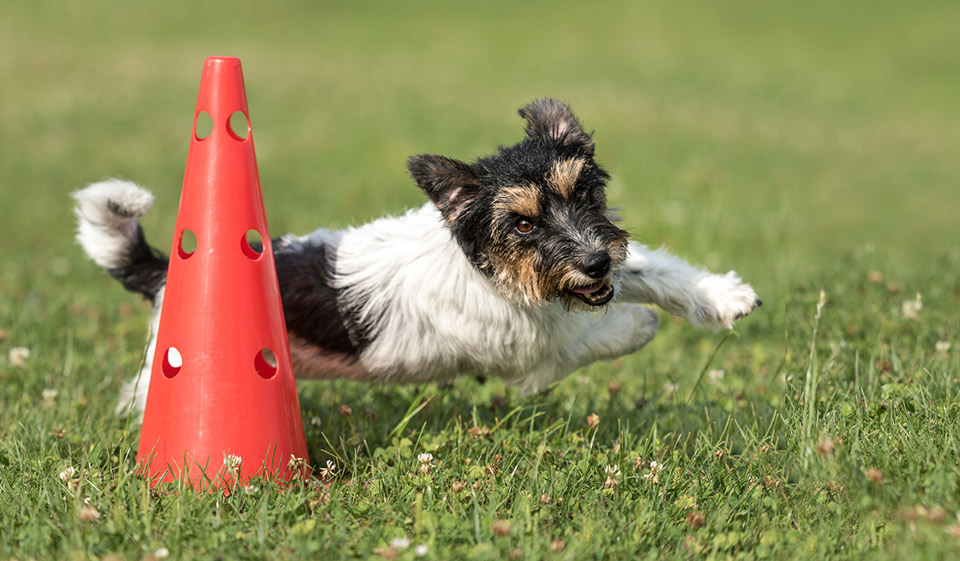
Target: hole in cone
(202, 125)
(265, 363)
(238, 126)
(172, 361)
(252, 244)
(187, 244)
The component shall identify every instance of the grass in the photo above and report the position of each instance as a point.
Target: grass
(810, 147)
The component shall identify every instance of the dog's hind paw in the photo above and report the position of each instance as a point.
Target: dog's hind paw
(724, 300)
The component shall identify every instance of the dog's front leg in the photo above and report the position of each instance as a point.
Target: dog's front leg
(621, 331)
(702, 298)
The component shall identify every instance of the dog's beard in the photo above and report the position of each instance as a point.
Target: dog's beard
(579, 294)
(575, 291)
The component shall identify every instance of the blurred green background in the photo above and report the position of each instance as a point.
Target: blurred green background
(803, 144)
(768, 137)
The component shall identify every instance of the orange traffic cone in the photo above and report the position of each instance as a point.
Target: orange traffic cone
(222, 404)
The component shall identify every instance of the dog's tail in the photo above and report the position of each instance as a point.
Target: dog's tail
(110, 234)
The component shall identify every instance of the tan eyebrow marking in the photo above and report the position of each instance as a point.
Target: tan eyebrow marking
(521, 199)
(563, 177)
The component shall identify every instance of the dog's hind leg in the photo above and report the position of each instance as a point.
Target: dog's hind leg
(702, 298)
(133, 395)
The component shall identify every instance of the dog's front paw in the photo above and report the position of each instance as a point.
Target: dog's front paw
(723, 300)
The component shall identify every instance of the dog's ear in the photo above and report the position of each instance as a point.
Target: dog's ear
(552, 120)
(449, 183)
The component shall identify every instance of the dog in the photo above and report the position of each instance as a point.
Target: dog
(515, 268)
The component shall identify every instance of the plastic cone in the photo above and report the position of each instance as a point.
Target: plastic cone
(222, 404)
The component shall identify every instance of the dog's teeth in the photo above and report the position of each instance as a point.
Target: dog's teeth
(594, 294)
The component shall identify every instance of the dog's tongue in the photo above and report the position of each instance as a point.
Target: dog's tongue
(589, 289)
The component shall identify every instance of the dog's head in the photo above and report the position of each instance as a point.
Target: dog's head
(533, 217)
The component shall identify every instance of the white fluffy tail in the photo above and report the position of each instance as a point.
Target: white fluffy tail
(108, 231)
(107, 220)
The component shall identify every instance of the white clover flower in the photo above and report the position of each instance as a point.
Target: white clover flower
(18, 356)
(426, 462)
(296, 463)
(911, 308)
(400, 543)
(232, 461)
(250, 489)
(943, 346)
(421, 550)
(161, 553)
(654, 473)
(328, 472)
(49, 393)
(67, 474)
(613, 472)
(715, 374)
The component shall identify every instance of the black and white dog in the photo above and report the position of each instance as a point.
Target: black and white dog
(511, 270)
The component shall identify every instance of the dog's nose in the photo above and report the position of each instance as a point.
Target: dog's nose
(596, 265)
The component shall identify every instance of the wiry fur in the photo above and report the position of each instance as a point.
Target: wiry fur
(497, 276)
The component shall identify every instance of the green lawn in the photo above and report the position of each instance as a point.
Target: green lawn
(809, 146)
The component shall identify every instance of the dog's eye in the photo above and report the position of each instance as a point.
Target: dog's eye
(524, 226)
(585, 195)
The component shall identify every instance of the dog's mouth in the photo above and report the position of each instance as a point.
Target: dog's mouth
(596, 294)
